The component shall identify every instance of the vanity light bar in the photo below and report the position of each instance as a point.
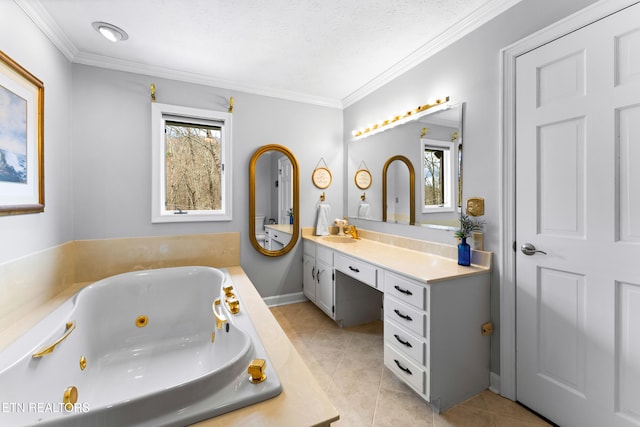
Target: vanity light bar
(397, 118)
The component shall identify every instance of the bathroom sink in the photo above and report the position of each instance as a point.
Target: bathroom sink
(339, 239)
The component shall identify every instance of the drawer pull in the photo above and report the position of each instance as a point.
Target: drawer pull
(354, 269)
(404, 316)
(313, 272)
(405, 343)
(404, 291)
(407, 370)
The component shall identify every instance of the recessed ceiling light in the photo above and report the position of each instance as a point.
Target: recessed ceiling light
(110, 31)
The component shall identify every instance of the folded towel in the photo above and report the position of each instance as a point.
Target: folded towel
(364, 211)
(322, 219)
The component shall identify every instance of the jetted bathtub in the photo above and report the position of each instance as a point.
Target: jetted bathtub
(140, 349)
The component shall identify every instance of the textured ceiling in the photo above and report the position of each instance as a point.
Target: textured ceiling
(328, 52)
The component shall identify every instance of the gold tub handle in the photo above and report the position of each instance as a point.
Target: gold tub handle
(70, 326)
(220, 319)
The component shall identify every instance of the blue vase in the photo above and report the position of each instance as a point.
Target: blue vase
(290, 219)
(464, 252)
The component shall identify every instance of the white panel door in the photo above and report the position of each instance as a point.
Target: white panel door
(285, 189)
(578, 200)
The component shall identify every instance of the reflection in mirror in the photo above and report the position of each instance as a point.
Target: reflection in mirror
(273, 200)
(398, 197)
(440, 183)
(438, 187)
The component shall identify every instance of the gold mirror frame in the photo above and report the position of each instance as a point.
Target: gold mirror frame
(252, 200)
(412, 186)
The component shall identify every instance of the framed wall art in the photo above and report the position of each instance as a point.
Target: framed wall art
(321, 175)
(21, 139)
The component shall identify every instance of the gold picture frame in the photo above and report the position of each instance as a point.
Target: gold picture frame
(321, 177)
(21, 139)
(362, 179)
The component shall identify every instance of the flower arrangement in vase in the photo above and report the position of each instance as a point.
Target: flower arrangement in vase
(467, 226)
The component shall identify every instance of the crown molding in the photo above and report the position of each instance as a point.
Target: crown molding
(41, 18)
(38, 14)
(448, 37)
(172, 74)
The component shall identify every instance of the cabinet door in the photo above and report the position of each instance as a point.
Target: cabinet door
(324, 289)
(309, 277)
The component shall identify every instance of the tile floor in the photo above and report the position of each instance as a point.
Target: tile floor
(348, 364)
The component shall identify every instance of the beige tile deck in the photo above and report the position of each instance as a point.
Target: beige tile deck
(348, 364)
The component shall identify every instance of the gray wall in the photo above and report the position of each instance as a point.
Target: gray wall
(111, 137)
(97, 142)
(23, 42)
(468, 71)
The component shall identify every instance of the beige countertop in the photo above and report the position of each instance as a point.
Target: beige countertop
(302, 401)
(283, 228)
(419, 265)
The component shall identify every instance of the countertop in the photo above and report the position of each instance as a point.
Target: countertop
(302, 401)
(422, 266)
(283, 228)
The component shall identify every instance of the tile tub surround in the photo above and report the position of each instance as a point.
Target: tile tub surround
(302, 402)
(32, 286)
(300, 387)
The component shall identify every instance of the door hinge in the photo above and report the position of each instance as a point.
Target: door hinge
(333, 276)
(333, 308)
(515, 246)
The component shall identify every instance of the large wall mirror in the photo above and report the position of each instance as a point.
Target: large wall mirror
(430, 141)
(274, 222)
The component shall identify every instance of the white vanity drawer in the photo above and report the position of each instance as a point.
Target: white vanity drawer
(360, 270)
(405, 289)
(405, 342)
(281, 237)
(403, 367)
(405, 315)
(324, 254)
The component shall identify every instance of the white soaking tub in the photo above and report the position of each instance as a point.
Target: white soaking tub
(136, 349)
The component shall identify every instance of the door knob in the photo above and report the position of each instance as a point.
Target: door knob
(529, 249)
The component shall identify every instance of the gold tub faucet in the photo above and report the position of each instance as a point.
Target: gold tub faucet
(220, 319)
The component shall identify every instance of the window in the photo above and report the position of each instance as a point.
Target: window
(439, 180)
(191, 164)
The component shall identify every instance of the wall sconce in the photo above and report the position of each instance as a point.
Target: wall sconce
(397, 119)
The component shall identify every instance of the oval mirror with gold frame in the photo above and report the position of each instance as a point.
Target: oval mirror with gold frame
(274, 190)
(410, 190)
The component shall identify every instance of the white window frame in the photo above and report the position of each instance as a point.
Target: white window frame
(160, 114)
(451, 174)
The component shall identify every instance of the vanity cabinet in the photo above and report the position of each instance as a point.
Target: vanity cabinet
(276, 237)
(432, 336)
(432, 318)
(318, 276)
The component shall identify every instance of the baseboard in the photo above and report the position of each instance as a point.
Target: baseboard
(277, 300)
(494, 382)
